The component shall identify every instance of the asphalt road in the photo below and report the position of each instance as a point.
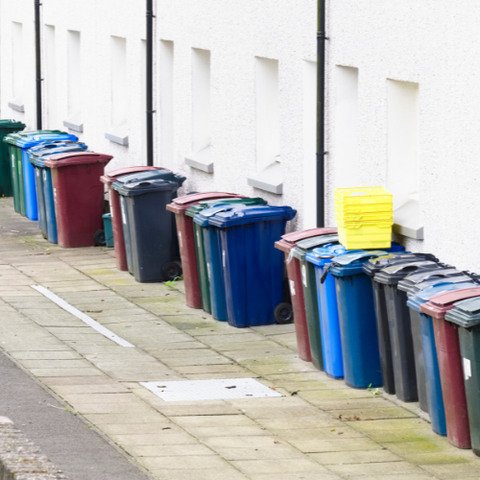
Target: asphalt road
(65, 439)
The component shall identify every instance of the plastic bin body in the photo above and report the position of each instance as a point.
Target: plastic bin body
(412, 284)
(331, 342)
(309, 288)
(117, 226)
(107, 227)
(399, 323)
(24, 141)
(450, 363)
(186, 242)
(7, 127)
(466, 315)
(78, 195)
(207, 239)
(37, 156)
(253, 266)
(356, 312)
(17, 179)
(151, 239)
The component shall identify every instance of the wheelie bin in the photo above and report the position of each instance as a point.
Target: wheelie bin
(436, 407)
(43, 181)
(207, 240)
(187, 244)
(78, 194)
(450, 363)
(309, 290)
(151, 239)
(129, 175)
(466, 315)
(399, 324)
(253, 266)
(7, 127)
(329, 326)
(356, 312)
(286, 244)
(22, 142)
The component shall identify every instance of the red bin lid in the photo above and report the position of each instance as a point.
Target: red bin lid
(439, 304)
(76, 158)
(181, 204)
(111, 176)
(295, 237)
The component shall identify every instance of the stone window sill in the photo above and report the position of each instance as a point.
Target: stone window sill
(406, 220)
(269, 179)
(201, 160)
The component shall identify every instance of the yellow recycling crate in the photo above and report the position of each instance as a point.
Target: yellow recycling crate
(362, 196)
(372, 208)
(363, 216)
(365, 235)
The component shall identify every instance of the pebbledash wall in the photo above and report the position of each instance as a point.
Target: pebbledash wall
(235, 93)
(234, 87)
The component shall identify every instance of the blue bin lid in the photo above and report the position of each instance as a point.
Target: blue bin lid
(28, 141)
(351, 263)
(426, 294)
(51, 144)
(322, 255)
(160, 174)
(39, 156)
(146, 186)
(235, 215)
(307, 245)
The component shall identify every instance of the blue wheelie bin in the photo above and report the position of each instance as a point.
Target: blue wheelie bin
(252, 265)
(328, 308)
(436, 406)
(138, 177)
(356, 312)
(43, 182)
(24, 141)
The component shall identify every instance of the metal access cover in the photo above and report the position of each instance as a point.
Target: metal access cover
(223, 389)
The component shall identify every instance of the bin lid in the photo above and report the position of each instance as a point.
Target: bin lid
(425, 277)
(438, 281)
(415, 301)
(30, 139)
(145, 186)
(324, 255)
(295, 237)
(11, 124)
(374, 265)
(181, 204)
(466, 313)
(39, 156)
(112, 175)
(351, 263)
(205, 210)
(439, 304)
(303, 246)
(147, 175)
(70, 159)
(393, 274)
(235, 215)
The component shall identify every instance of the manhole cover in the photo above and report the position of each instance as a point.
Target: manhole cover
(223, 389)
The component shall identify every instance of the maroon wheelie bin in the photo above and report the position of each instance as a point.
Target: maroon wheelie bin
(294, 273)
(450, 363)
(78, 194)
(186, 241)
(119, 242)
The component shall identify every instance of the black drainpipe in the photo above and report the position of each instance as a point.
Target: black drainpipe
(38, 64)
(149, 62)
(321, 39)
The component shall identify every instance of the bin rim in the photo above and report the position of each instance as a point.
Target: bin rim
(111, 176)
(147, 175)
(11, 124)
(28, 141)
(38, 158)
(425, 277)
(145, 186)
(323, 255)
(351, 263)
(295, 237)
(76, 158)
(210, 208)
(393, 274)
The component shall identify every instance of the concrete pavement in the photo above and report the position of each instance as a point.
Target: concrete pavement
(319, 429)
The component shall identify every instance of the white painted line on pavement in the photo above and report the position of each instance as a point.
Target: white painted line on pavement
(82, 316)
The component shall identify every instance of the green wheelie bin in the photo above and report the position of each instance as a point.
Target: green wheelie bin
(7, 127)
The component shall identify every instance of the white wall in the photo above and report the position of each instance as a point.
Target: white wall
(434, 44)
(234, 32)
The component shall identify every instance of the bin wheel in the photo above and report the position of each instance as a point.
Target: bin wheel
(172, 270)
(283, 313)
(99, 238)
